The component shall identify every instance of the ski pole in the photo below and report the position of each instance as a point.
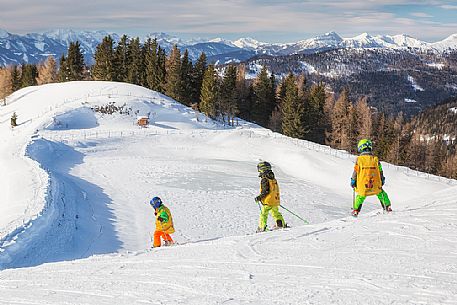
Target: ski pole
(353, 198)
(305, 221)
(258, 203)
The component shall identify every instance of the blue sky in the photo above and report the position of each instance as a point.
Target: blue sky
(264, 20)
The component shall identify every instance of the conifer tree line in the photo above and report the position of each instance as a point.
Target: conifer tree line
(396, 140)
(289, 105)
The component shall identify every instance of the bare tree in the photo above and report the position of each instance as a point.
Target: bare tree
(6, 86)
(47, 71)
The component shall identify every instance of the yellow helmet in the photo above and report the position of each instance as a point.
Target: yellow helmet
(364, 145)
(263, 167)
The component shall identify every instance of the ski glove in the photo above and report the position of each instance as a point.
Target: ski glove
(258, 199)
(383, 180)
(160, 219)
(353, 183)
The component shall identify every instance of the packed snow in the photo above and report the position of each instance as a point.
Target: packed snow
(76, 225)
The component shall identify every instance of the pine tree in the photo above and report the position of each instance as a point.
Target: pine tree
(316, 115)
(74, 62)
(104, 56)
(15, 78)
(161, 70)
(228, 94)
(328, 117)
(47, 71)
(121, 60)
(135, 73)
(275, 123)
(384, 135)
(186, 79)
(352, 128)
(63, 69)
(303, 95)
(29, 75)
(173, 77)
(197, 78)
(292, 110)
(151, 63)
(209, 98)
(244, 94)
(394, 153)
(264, 98)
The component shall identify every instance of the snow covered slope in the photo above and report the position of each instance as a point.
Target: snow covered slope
(76, 224)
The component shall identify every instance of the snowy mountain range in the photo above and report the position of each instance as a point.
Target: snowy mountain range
(76, 224)
(35, 47)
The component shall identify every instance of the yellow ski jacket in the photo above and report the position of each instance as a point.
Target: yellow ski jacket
(164, 221)
(367, 171)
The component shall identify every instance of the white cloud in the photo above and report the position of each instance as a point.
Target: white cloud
(449, 7)
(421, 15)
(223, 17)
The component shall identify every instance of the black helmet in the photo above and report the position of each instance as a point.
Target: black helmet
(263, 167)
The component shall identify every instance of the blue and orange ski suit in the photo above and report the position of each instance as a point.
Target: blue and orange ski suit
(164, 226)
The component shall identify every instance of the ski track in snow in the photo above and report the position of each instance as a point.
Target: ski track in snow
(89, 243)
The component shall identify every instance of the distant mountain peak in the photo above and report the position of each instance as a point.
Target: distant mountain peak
(363, 35)
(248, 43)
(331, 34)
(3, 33)
(160, 36)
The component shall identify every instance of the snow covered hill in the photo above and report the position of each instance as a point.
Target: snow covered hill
(75, 221)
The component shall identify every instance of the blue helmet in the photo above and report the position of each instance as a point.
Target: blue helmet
(156, 202)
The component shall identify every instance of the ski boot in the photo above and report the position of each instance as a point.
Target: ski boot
(168, 243)
(279, 225)
(388, 209)
(259, 229)
(355, 213)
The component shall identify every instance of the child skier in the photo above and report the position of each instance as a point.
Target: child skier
(269, 197)
(164, 223)
(368, 178)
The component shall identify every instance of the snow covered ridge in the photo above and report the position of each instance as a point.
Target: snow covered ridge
(89, 236)
(35, 47)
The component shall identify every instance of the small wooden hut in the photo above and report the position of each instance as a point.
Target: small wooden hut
(143, 121)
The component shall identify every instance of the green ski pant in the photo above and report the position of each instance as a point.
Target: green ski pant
(383, 198)
(274, 211)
